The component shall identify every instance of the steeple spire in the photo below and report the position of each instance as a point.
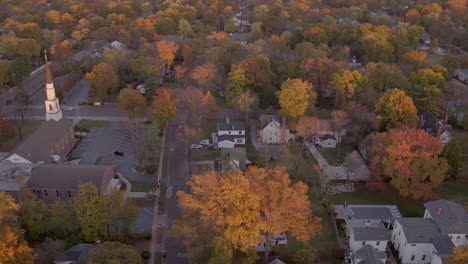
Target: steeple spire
(48, 75)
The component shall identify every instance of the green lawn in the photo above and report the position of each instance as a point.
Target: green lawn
(142, 203)
(462, 137)
(305, 169)
(85, 125)
(336, 156)
(456, 192)
(141, 186)
(204, 155)
(28, 128)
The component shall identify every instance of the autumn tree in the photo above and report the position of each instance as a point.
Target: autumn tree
(13, 248)
(295, 97)
(206, 75)
(53, 17)
(7, 131)
(63, 53)
(131, 102)
(4, 73)
(103, 79)
(361, 123)
(454, 155)
(416, 59)
(395, 110)
(245, 101)
(409, 158)
(459, 255)
(243, 208)
(306, 127)
(188, 56)
(166, 51)
(319, 70)
(113, 252)
(348, 84)
(185, 29)
(163, 107)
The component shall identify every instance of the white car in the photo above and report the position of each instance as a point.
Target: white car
(205, 142)
(197, 146)
(67, 108)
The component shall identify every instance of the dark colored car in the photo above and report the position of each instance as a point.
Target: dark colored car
(118, 153)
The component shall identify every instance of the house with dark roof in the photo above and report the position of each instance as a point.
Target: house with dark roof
(434, 126)
(451, 219)
(328, 127)
(367, 215)
(357, 167)
(326, 141)
(74, 254)
(51, 182)
(233, 158)
(229, 135)
(369, 255)
(274, 130)
(375, 236)
(51, 139)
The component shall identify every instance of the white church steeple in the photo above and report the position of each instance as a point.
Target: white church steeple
(52, 102)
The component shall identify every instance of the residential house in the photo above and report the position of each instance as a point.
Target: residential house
(368, 255)
(229, 135)
(357, 167)
(51, 138)
(235, 158)
(367, 215)
(375, 236)
(61, 181)
(328, 127)
(442, 247)
(434, 126)
(74, 254)
(241, 38)
(278, 240)
(451, 219)
(117, 45)
(326, 141)
(413, 238)
(13, 176)
(462, 75)
(274, 130)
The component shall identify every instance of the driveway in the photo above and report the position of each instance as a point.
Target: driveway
(104, 140)
(78, 93)
(273, 150)
(144, 222)
(333, 172)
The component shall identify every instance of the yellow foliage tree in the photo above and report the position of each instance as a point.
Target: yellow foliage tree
(295, 97)
(131, 102)
(163, 107)
(104, 80)
(166, 51)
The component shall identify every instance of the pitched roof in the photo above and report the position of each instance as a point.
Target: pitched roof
(443, 245)
(354, 161)
(370, 233)
(418, 230)
(47, 73)
(235, 154)
(368, 212)
(230, 126)
(229, 137)
(370, 255)
(37, 146)
(75, 253)
(327, 136)
(267, 119)
(432, 124)
(65, 176)
(449, 216)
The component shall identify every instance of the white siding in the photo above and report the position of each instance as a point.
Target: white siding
(15, 158)
(407, 250)
(226, 144)
(459, 240)
(231, 132)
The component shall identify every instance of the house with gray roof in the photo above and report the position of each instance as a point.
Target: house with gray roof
(451, 219)
(357, 167)
(369, 255)
(61, 181)
(375, 236)
(235, 158)
(367, 215)
(434, 126)
(74, 254)
(229, 135)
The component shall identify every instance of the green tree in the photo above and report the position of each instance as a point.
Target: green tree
(305, 255)
(7, 131)
(113, 253)
(185, 29)
(395, 109)
(454, 154)
(230, 26)
(131, 102)
(348, 84)
(93, 220)
(63, 222)
(35, 217)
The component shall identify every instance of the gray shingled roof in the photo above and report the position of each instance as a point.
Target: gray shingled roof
(449, 216)
(370, 255)
(371, 213)
(37, 146)
(230, 126)
(418, 230)
(229, 137)
(328, 136)
(354, 161)
(431, 123)
(65, 176)
(369, 233)
(76, 253)
(235, 154)
(443, 245)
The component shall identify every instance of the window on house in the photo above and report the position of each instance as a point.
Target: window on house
(50, 107)
(378, 243)
(238, 140)
(45, 192)
(423, 257)
(69, 193)
(363, 243)
(57, 192)
(412, 257)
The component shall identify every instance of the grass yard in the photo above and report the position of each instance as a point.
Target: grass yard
(462, 137)
(336, 156)
(456, 192)
(141, 186)
(85, 125)
(305, 169)
(204, 155)
(28, 128)
(141, 202)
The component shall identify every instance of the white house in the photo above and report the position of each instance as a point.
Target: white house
(274, 130)
(328, 127)
(278, 240)
(229, 135)
(375, 236)
(117, 45)
(326, 141)
(451, 219)
(413, 238)
(369, 255)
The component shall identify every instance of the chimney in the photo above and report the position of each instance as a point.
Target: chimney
(421, 121)
(439, 210)
(439, 131)
(445, 119)
(283, 122)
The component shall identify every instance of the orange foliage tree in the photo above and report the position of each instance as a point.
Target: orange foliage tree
(410, 159)
(104, 80)
(246, 209)
(163, 107)
(166, 51)
(131, 102)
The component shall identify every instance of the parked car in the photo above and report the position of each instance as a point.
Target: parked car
(210, 147)
(67, 108)
(197, 146)
(118, 153)
(205, 142)
(8, 102)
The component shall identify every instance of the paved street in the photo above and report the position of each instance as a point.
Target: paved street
(79, 112)
(78, 94)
